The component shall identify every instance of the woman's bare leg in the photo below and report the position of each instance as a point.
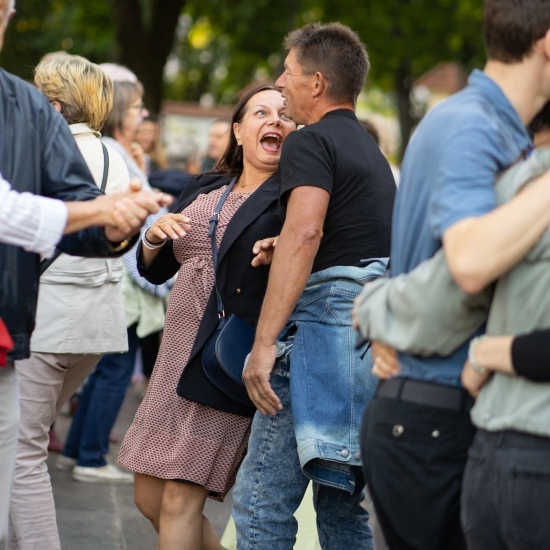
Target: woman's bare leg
(148, 492)
(210, 539)
(182, 524)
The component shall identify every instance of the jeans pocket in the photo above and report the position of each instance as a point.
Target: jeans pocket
(528, 501)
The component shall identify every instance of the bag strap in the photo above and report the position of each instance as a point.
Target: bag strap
(213, 223)
(105, 167)
(45, 264)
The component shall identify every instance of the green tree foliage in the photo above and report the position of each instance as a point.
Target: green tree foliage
(43, 26)
(214, 48)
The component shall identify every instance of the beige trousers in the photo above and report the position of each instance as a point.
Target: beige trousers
(46, 381)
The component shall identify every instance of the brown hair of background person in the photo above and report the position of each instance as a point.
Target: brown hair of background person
(232, 159)
(511, 27)
(346, 67)
(83, 91)
(370, 128)
(148, 136)
(125, 93)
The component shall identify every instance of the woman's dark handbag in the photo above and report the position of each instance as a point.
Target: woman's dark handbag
(225, 352)
(224, 355)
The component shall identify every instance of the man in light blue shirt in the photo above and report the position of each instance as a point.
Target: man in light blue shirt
(417, 430)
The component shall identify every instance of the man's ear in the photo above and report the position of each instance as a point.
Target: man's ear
(320, 84)
(56, 105)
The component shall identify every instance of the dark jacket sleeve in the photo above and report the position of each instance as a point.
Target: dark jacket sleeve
(66, 176)
(531, 355)
(163, 267)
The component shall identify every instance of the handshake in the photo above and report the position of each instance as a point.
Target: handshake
(122, 214)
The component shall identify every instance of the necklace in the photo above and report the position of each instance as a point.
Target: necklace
(239, 185)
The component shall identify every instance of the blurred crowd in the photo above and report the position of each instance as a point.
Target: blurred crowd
(304, 331)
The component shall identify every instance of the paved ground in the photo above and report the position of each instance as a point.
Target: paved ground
(104, 517)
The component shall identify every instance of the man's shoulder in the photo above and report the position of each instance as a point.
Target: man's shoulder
(19, 88)
(462, 111)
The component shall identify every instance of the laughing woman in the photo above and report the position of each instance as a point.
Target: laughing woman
(184, 450)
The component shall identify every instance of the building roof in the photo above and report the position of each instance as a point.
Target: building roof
(187, 108)
(446, 78)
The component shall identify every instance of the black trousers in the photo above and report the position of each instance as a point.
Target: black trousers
(414, 457)
(506, 492)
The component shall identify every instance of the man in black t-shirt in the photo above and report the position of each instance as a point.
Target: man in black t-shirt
(336, 200)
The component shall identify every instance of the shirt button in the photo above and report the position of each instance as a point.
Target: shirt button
(397, 430)
(238, 290)
(357, 456)
(435, 433)
(345, 453)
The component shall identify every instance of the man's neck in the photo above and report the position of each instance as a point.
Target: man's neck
(323, 107)
(521, 84)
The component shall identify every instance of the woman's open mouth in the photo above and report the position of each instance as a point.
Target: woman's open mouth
(271, 142)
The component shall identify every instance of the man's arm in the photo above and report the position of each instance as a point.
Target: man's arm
(34, 223)
(293, 258)
(38, 223)
(479, 250)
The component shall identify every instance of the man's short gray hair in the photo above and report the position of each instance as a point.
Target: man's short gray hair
(336, 52)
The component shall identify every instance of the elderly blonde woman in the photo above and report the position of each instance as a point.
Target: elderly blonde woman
(80, 312)
(87, 443)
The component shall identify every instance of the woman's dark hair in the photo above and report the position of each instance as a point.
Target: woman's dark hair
(231, 161)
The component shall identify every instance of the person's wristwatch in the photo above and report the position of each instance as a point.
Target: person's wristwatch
(472, 358)
(117, 247)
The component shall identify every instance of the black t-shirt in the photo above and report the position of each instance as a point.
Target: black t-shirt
(338, 155)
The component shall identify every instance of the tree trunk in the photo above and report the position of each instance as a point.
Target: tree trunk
(145, 48)
(402, 88)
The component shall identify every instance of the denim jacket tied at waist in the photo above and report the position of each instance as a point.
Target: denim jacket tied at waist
(331, 382)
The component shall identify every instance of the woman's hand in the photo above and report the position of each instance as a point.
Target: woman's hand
(169, 226)
(472, 380)
(264, 251)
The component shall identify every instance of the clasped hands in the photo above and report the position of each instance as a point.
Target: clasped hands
(122, 214)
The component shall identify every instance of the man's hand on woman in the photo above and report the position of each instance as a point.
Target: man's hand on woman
(263, 251)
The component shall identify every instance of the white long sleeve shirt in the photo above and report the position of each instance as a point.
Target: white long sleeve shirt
(32, 222)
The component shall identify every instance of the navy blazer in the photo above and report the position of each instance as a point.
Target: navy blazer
(241, 286)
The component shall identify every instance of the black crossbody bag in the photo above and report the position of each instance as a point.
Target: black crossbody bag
(225, 351)
(44, 264)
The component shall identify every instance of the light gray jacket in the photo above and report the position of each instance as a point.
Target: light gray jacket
(425, 313)
(80, 307)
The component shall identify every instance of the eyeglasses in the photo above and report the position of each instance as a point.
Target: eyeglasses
(139, 107)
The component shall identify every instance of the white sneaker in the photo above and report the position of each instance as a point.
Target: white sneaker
(103, 474)
(65, 463)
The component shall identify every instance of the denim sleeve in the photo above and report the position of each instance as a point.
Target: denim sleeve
(465, 176)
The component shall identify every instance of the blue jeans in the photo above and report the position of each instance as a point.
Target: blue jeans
(270, 486)
(102, 397)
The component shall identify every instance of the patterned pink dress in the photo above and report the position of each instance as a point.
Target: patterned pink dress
(171, 437)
